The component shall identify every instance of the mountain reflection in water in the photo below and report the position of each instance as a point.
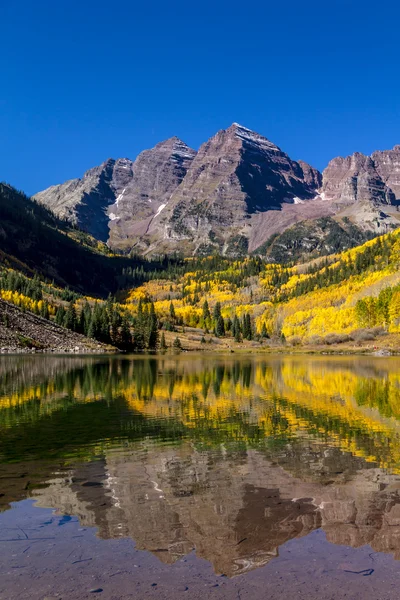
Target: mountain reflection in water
(229, 456)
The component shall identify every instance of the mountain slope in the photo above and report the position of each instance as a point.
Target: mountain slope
(117, 200)
(156, 174)
(32, 239)
(313, 238)
(84, 202)
(351, 297)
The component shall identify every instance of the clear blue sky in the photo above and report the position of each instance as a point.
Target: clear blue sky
(83, 81)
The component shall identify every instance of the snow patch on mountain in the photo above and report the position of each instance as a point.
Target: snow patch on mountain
(120, 197)
(160, 208)
(253, 138)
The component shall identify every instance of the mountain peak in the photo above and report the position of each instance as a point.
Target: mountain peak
(252, 138)
(177, 147)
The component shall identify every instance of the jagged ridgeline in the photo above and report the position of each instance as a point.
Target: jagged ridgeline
(239, 194)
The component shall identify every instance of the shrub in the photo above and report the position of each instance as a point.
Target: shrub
(362, 335)
(295, 340)
(336, 338)
(314, 340)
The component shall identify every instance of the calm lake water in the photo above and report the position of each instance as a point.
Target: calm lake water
(217, 475)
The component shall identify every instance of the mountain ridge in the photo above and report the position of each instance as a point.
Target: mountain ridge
(230, 196)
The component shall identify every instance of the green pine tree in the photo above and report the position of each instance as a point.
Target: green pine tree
(177, 344)
(163, 343)
(220, 327)
(70, 319)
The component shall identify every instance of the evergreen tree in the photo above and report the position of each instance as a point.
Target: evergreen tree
(139, 340)
(152, 341)
(177, 344)
(163, 344)
(172, 312)
(206, 311)
(94, 330)
(115, 323)
(236, 332)
(247, 329)
(217, 311)
(85, 318)
(125, 336)
(70, 319)
(220, 327)
(60, 316)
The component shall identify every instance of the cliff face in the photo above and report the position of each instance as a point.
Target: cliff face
(365, 189)
(84, 202)
(355, 179)
(387, 164)
(143, 189)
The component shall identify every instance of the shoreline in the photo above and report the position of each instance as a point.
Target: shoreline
(324, 351)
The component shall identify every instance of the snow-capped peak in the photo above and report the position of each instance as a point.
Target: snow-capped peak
(252, 138)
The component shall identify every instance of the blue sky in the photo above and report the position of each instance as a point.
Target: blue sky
(83, 81)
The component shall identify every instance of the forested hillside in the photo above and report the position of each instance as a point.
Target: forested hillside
(346, 297)
(63, 275)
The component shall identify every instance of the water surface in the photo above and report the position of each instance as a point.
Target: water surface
(217, 459)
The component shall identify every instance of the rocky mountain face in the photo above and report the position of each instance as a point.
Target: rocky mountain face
(142, 189)
(235, 195)
(365, 188)
(84, 202)
(121, 191)
(236, 175)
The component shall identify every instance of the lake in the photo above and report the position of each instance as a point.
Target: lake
(199, 476)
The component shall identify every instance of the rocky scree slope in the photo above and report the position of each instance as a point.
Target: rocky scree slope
(23, 331)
